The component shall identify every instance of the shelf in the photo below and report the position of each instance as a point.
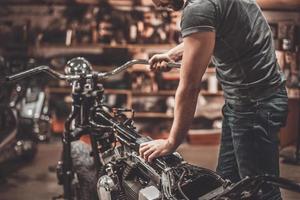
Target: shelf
(171, 76)
(140, 68)
(152, 115)
(59, 90)
(204, 136)
(117, 91)
(172, 93)
(67, 90)
(48, 51)
(157, 93)
(53, 50)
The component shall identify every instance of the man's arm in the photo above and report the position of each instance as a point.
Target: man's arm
(198, 49)
(197, 52)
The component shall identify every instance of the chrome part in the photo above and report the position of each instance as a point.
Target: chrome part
(105, 186)
(32, 109)
(121, 68)
(149, 193)
(78, 66)
(34, 71)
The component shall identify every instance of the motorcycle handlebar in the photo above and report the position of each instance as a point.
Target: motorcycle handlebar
(100, 75)
(35, 71)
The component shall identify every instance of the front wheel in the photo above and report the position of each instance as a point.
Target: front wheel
(28, 148)
(85, 174)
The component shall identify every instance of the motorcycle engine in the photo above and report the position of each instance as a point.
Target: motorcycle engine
(127, 176)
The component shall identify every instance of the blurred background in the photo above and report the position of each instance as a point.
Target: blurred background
(108, 33)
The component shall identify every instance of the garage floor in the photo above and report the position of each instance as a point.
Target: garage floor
(33, 181)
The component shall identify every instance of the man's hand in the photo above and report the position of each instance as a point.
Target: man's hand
(159, 62)
(156, 148)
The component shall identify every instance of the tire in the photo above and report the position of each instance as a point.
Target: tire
(30, 150)
(85, 181)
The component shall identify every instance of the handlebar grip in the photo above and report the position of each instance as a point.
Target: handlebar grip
(174, 65)
(26, 73)
(146, 62)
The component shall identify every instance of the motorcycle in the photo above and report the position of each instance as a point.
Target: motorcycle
(121, 172)
(23, 118)
(34, 107)
(13, 143)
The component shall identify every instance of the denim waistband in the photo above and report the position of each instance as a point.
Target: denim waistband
(253, 95)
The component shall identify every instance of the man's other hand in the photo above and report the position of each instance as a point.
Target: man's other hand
(156, 148)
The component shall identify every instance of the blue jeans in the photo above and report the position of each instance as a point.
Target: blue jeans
(249, 143)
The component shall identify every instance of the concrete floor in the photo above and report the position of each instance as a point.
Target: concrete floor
(32, 181)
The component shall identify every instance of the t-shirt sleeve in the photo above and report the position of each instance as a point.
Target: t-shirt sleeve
(199, 16)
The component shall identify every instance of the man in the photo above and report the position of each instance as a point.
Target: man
(237, 37)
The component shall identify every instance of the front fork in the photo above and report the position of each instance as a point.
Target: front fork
(64, 169)
(67, 168)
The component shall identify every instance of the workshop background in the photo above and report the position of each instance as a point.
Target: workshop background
(108, 33)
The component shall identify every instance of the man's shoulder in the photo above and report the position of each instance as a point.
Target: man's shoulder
(198, 16)
(199, 6)
(193, 3)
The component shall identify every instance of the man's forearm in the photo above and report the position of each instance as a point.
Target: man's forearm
(176, 53)
(186, 101)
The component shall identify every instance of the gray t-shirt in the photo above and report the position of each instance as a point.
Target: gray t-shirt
(244, 52)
